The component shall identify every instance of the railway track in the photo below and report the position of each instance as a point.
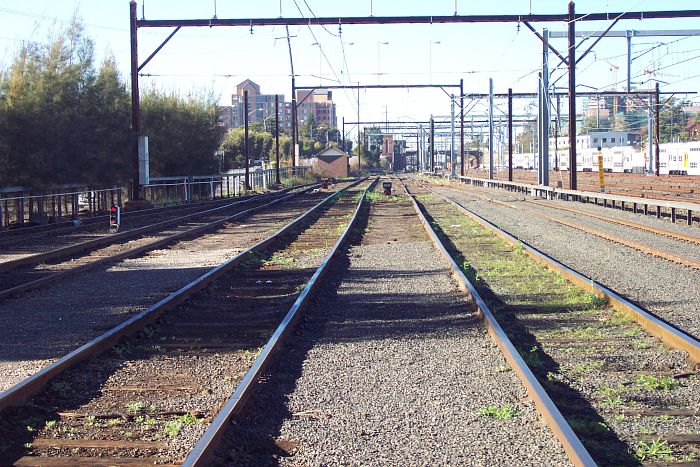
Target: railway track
(42, 325)
(20, 247)
(391, 367)
(39, 269)
(145, 391)
(49, 234)
(626, 395)
(690, 259)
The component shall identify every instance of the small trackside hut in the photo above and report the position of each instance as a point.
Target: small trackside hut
(331, 162)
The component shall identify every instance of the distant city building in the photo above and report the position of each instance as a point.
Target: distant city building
(261, 108)
(319, 103)
(388, 146)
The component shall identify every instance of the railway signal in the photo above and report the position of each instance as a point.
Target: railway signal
(114, 218)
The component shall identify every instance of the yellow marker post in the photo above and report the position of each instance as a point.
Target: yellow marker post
(601, 174)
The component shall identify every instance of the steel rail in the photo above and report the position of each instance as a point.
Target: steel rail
(22, 391)
(575, 450)
(203, 452)
(67, 226)
(611, 238)
(669, 334)
(136, 250)
(108, 239)
(614, 220)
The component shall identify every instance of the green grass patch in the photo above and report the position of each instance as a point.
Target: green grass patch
(653, 382)
(656, 450)
(502, 412)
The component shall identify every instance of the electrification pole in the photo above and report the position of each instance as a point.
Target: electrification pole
(490, 128)
(510, 134)
(135, 111)
(246, 147)
(461, 127)
(277, 140)
(572, 96)
(453, 159)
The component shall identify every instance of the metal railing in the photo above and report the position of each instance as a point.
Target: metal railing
(27, 210)
(19, 209)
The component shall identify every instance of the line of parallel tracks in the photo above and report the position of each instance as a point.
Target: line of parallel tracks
(68, 232)
(41, 261)
(628, 397)
(519, 204)
(149, 398)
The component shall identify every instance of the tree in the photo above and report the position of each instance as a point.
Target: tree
(371, 138)
(672, 121)
(56, 111)
(183, 132)
(261, 146)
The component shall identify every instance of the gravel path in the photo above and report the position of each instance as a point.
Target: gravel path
(666, 289)
(391, 367)
(45, 324)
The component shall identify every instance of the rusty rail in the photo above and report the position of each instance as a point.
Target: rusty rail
(203, 452)
(669, 334)
(30, 386)
(575, 450)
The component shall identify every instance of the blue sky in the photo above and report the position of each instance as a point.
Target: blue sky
(219, 58)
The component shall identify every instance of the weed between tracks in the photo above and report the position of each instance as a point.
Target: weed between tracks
(502, 412)
(581, 351)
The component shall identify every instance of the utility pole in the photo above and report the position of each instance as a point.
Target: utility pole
(135, 111)
(490, 128)
(629, 67)
(246, 147)
(510, 134)
(277, 140)
(359, 135)
(657, 132)
(453, 159)
(544, 102)
(432, 145)
(294, 102)
(572, 96)
(650, 133)
(461, 127)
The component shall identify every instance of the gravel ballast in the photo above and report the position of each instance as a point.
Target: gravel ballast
(391, 367)
(667, 289)
(44, 324)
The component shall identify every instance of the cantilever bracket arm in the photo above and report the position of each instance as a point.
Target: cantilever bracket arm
(605, 33)
(539, 36)
(150, 57)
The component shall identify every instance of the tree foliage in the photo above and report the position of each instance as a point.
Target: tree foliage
(261, 146)
(60, 118)
(65, 120)
(371, 146)
(183, 134)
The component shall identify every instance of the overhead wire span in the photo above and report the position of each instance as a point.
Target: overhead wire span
(320, 48)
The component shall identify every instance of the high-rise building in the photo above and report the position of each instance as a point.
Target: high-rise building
(261, 108)
(318, 103)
